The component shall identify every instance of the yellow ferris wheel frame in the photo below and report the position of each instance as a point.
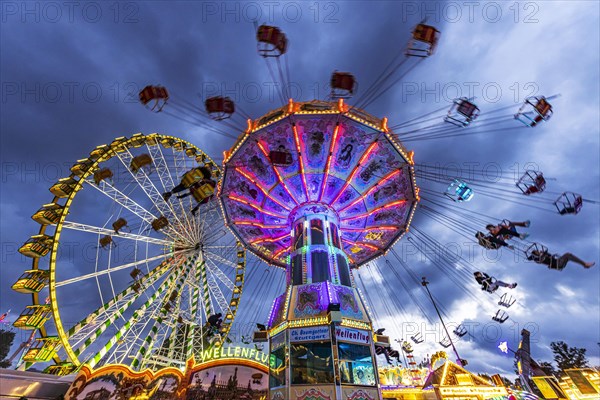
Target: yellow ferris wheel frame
(100, 154)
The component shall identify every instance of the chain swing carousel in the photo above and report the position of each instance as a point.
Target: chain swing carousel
(319, 188)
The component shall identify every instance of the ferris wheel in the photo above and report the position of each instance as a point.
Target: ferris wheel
(133, 259)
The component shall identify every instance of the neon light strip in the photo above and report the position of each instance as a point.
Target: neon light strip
(253, 180)
(362, 244)
(279, 252)
(368, 192)
(350, 259)
(260, 146)
(259, 225)
(373, 228)
(257, 208)
(328, 165)
(270, 240)
(392, 204)
(301, 162)
(355, 170)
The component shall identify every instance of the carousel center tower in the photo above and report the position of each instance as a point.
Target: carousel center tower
(319, 188)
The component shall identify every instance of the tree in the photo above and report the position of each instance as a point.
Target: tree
(547, 367)
(568, 357)
(6, 341)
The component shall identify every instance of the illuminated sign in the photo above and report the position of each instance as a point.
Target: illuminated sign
(352, 335)
(549, 387)
(235, 352)
(581, 381)
(487, 392)
(310, 334)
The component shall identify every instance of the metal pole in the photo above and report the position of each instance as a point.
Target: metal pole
(425, 283)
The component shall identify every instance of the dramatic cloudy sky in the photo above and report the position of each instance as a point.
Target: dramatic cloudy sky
(68, 75)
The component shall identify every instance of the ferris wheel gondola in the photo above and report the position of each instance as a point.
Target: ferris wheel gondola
(155, 271)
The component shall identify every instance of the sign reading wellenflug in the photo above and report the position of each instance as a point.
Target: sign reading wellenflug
(352, 335)
(309, 334)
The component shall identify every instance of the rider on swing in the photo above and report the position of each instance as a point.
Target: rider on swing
(490, 284)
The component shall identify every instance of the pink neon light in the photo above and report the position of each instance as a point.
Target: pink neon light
(368, 192)
(331, 151)
(252, 179)
(270, 240)
(389, 205)
(257, 208)
(301, 163)
(278, 253)
(259, 225)
(363, 158)
(260, 146)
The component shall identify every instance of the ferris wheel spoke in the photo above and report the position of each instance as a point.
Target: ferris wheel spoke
(220, 275)
(215, 290)
(222, 260)
(166, 340)
(125, 201)
(115, 269)
(145, 281)
(125, 340)
(207, 217)
(132, 338)
(180, 168)
(165, 176)
(161, 293)
(110, 232)
(146, 349)
(161, 166)
(110, 315)
(204, 289)
(123, 344)
(195, 302)
(148, 187)
(223, 305)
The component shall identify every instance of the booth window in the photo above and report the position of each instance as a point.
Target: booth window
(356, 364)
(311, 363)
(335, 238)
(297, 269)
(317, 235)
(298, 235)
(320, 266)
(343, 269)
(277, 368)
